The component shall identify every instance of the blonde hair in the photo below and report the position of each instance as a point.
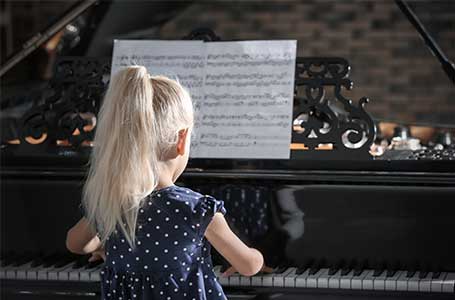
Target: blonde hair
(138, 122)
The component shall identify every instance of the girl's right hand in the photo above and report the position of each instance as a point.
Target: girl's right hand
(97, 255)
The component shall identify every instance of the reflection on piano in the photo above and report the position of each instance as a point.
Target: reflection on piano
(332, 221)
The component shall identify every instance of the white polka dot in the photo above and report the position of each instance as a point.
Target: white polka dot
(137, 257)
(147, 250)
(184, 249)
(129, 249)
(175, 258)
(157, 227)
(155, 259)
(177, 210)
(149, 219)
(146, 267)
(185, 233)
(166, 219)
(166, 251)
(138, 242)
(190, 283)
(176, 242)
(176, 226)
(158, 211)
(157, 243)
(166, 235)
(165, 266)
(150, 203)
(159, 195)
(177, 196)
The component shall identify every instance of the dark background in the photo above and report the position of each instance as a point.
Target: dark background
(390, 63)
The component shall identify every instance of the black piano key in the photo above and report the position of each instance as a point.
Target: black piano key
(436, 275)
(410, 273)
(316, 267)
(359, 268)
(9, 258)
(41, 260)
(393, 269)
(300, 270)
(280, 269)
(81, 262)
(22, 260)
(423, 274)
(390, 273)
(224, 268)
(94, 264)
(63, 261)
(380, 268)
(346, 269)
(52, 259)
(336, 267)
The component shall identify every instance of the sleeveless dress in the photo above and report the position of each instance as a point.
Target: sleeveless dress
(171, 259)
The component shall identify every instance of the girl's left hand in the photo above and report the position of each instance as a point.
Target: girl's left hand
(97, 255)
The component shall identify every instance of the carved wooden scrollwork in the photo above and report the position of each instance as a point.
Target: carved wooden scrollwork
(328, 128)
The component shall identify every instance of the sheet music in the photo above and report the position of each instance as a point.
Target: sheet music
(242, 91)
(180, 60)
(248, 96)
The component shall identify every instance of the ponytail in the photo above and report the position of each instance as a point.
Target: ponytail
(123, 164)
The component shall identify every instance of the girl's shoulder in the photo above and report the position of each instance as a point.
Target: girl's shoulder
(190, 198)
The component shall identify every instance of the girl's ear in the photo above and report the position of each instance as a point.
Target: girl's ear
(181, 142)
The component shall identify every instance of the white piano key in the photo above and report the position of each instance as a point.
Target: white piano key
(289, 280)
(391, 282)
(300, 280)
(356, 281)
(436, 284)
(57, 273)
(278, 279)
(223, 280)
(448, 286)
(84, 274)
(245, 280)
(95, 273)
(217, 271)
(334, 280)
(234, 279)
(312, 280)
(402, 282)
(256, 280)
(323, 279)
(21, 271)
(345, 281)
(425, 283)
(413, 283)
(367, 281)
(267, 279)
(379, 281)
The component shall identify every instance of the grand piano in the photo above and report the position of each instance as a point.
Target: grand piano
(339, 220)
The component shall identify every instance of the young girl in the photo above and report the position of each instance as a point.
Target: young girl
(156, 235)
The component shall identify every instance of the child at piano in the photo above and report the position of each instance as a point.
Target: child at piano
(155, 236)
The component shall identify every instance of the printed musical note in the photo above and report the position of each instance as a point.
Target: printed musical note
(242, 92)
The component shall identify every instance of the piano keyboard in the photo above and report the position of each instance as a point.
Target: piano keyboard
(61, 268)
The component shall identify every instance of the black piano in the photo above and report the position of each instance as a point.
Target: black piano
(335, 221)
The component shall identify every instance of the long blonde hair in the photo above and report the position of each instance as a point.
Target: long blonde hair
(138, 122)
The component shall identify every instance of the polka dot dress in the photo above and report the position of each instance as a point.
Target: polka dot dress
(171, 259)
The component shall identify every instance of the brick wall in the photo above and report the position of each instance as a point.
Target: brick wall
(390, 63)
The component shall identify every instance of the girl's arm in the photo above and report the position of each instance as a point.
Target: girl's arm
(82, 239)
(247, 261)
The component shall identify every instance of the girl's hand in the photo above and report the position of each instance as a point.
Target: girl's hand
(97, 255)
(231, 270)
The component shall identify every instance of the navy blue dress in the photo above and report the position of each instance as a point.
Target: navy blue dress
(172, 257)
